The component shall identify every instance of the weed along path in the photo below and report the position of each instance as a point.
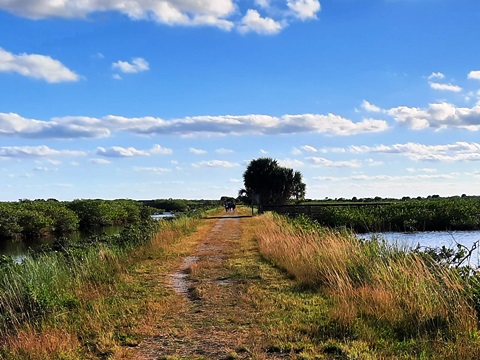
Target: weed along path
(212, 317)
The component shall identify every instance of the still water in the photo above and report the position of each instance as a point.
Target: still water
(18, 249)
(432, 239)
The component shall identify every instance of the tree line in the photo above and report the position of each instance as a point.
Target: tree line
(37, 218)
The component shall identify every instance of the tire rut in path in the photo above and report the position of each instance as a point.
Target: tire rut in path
(209, 323)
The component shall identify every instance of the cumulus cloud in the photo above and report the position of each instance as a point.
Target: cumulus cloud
(223, 14)
(35, 152)
(329, 124)
(474, 75)
(60, 128)
(119, 152)
(197, 151)
(253, 22)
(160, 150)
(370, 107)
(309, 148)
(215, 164)
(438, 116)
(404, 177)
(86, 127)
(137, 65)
(171, 12)
(290, 163)
(436, 75)
(304, 9)
(151, 170)
(319, 161)
(224, 151)
(445, 87)
(458, 151)
(36, 66)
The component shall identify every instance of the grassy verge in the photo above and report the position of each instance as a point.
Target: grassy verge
(77, 302)
(282, 291)
(373, 301)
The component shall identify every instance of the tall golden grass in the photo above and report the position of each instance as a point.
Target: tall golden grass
(374, 287)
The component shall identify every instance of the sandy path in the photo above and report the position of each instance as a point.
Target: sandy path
(210, 323)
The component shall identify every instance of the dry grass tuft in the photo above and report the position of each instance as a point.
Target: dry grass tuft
(48, 344)
(372, 284)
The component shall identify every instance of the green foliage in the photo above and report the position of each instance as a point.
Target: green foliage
(272, 183)
(45, 282)
(97, 212)
(435, 213)
(36, 218)
(180, 205)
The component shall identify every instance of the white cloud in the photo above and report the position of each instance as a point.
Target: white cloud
(215, 163)
(61, 128)
(403, 178)
(151, 170)
(36, 151)
(222, 14)
(197, 151)
(370, 107)
(290, 163)
(86, 127)
(436, 75)
(224, 151)
(172, 12)
(36, 66)
(309, 148)
(160, 150)
(318, 161)
(438, 116)
(304, 9)
(445, 87)
(474, 75)
(118, 151)
(137, 65)
(253, 22)
(459, 151)
(328, 124)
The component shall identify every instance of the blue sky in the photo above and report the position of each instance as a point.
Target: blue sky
(150, 99)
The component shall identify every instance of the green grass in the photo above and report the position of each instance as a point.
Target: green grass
(75, 303)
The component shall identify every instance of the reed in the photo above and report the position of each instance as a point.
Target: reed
(374, 288)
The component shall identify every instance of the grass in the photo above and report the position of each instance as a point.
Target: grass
(80, 304)
(265, 288)
(376, 294)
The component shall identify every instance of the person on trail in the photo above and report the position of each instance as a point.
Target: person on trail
(230, 206)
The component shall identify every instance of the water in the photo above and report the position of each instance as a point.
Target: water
(432, 239)
(19, 249)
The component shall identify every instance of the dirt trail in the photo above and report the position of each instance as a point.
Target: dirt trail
(210, 322)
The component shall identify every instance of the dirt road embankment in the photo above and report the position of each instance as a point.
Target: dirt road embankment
(213, 316)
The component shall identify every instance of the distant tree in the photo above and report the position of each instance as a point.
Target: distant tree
(271, 183)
